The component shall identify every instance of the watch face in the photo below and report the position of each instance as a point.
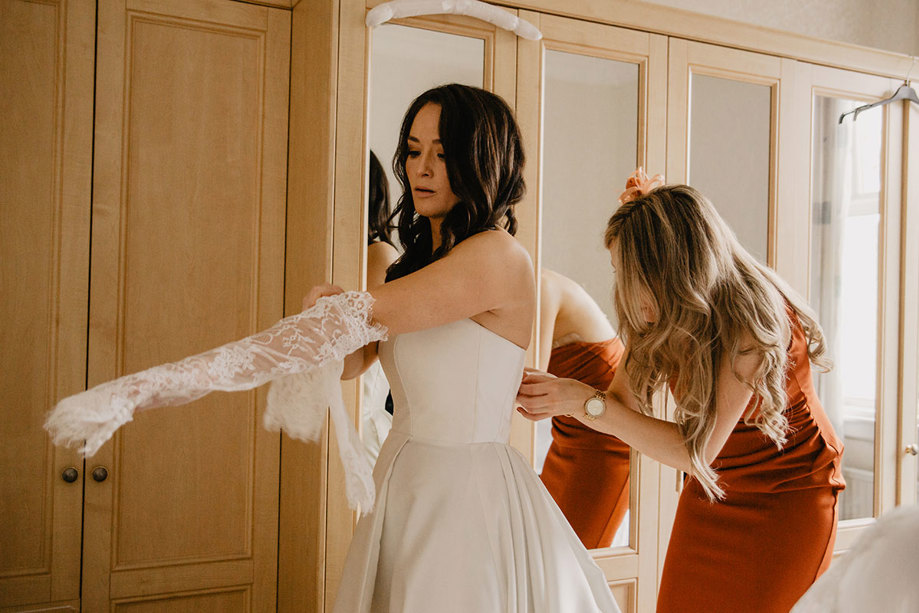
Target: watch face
(595, 407)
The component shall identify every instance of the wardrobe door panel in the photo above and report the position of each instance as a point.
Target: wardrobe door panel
(857, 230)
(724, 114)
(188, 254)
(591, 105)
(415, 42)
(46, 72)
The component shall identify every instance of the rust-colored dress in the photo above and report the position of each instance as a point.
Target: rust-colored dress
(587, 472)
(762, 546)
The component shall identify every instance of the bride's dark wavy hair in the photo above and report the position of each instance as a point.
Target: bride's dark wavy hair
(484, 156)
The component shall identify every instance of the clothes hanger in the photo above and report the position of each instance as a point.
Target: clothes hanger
(472, 8)
(904, 92)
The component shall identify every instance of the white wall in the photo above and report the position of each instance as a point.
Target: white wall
(892, 25)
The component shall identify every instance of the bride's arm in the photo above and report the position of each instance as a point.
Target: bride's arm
(318, 338)
(487, 272)
(470, 280)
(380, 257)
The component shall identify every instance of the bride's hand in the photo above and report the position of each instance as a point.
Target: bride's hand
(542, 395)
(320, 291)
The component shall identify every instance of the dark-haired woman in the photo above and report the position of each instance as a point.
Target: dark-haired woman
(459, 521)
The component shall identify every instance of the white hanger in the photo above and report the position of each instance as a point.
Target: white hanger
(471, 8)
(904, 92)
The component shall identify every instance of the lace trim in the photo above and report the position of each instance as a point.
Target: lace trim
(303, 352)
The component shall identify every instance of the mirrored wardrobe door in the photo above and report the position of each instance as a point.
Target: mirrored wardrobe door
(855, 195)
(723, 135)
(728, 111)
(591, 105)
(381, 71)
(405, 61)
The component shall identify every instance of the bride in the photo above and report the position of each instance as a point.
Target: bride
(459, 521)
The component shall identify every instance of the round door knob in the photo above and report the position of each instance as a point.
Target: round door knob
(100, 474)
(70, 474)
(912, 449)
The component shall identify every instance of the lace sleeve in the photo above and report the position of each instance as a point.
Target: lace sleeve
(318, 339)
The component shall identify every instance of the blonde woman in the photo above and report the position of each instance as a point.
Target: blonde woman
(756, 520)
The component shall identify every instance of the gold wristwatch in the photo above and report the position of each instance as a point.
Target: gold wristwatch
(595, 406)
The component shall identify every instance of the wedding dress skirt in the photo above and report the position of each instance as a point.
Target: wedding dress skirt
(461, 521)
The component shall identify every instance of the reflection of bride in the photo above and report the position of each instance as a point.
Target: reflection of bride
(376, 404)
(460, 522)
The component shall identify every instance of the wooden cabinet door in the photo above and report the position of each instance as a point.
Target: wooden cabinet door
(46, 114)
(188, 253)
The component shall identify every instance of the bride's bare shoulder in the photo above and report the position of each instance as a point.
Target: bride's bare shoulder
(497, 246)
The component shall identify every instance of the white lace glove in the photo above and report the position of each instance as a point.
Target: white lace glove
(305, 352)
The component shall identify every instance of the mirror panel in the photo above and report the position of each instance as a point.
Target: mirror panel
(590, 129)
(729, 154)
(845, 250)
(405, 62)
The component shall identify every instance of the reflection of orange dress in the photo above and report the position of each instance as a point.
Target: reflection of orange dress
(762, 546)
(587, 472)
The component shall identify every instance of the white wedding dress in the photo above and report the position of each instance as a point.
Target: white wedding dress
(461, 521)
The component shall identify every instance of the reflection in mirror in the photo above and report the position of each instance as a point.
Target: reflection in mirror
(729, 154)
(376, 414)
(846, 191)
(590, 146)
(404, 63)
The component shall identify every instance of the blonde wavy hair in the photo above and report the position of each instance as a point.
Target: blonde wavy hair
(710, 297)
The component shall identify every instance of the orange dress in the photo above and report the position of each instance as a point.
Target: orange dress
(761, 547)
(587, 472)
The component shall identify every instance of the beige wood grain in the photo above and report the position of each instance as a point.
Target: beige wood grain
(887, 445)
(310, 198)
(348, 254)
(188, 237)
(792, 219)
(624, 593)
(656, 506)
(197, 601)
(61, 606)
(909, 311)
(46, 67)
(528, 110)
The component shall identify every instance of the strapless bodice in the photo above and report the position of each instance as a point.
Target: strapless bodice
(453, 384)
